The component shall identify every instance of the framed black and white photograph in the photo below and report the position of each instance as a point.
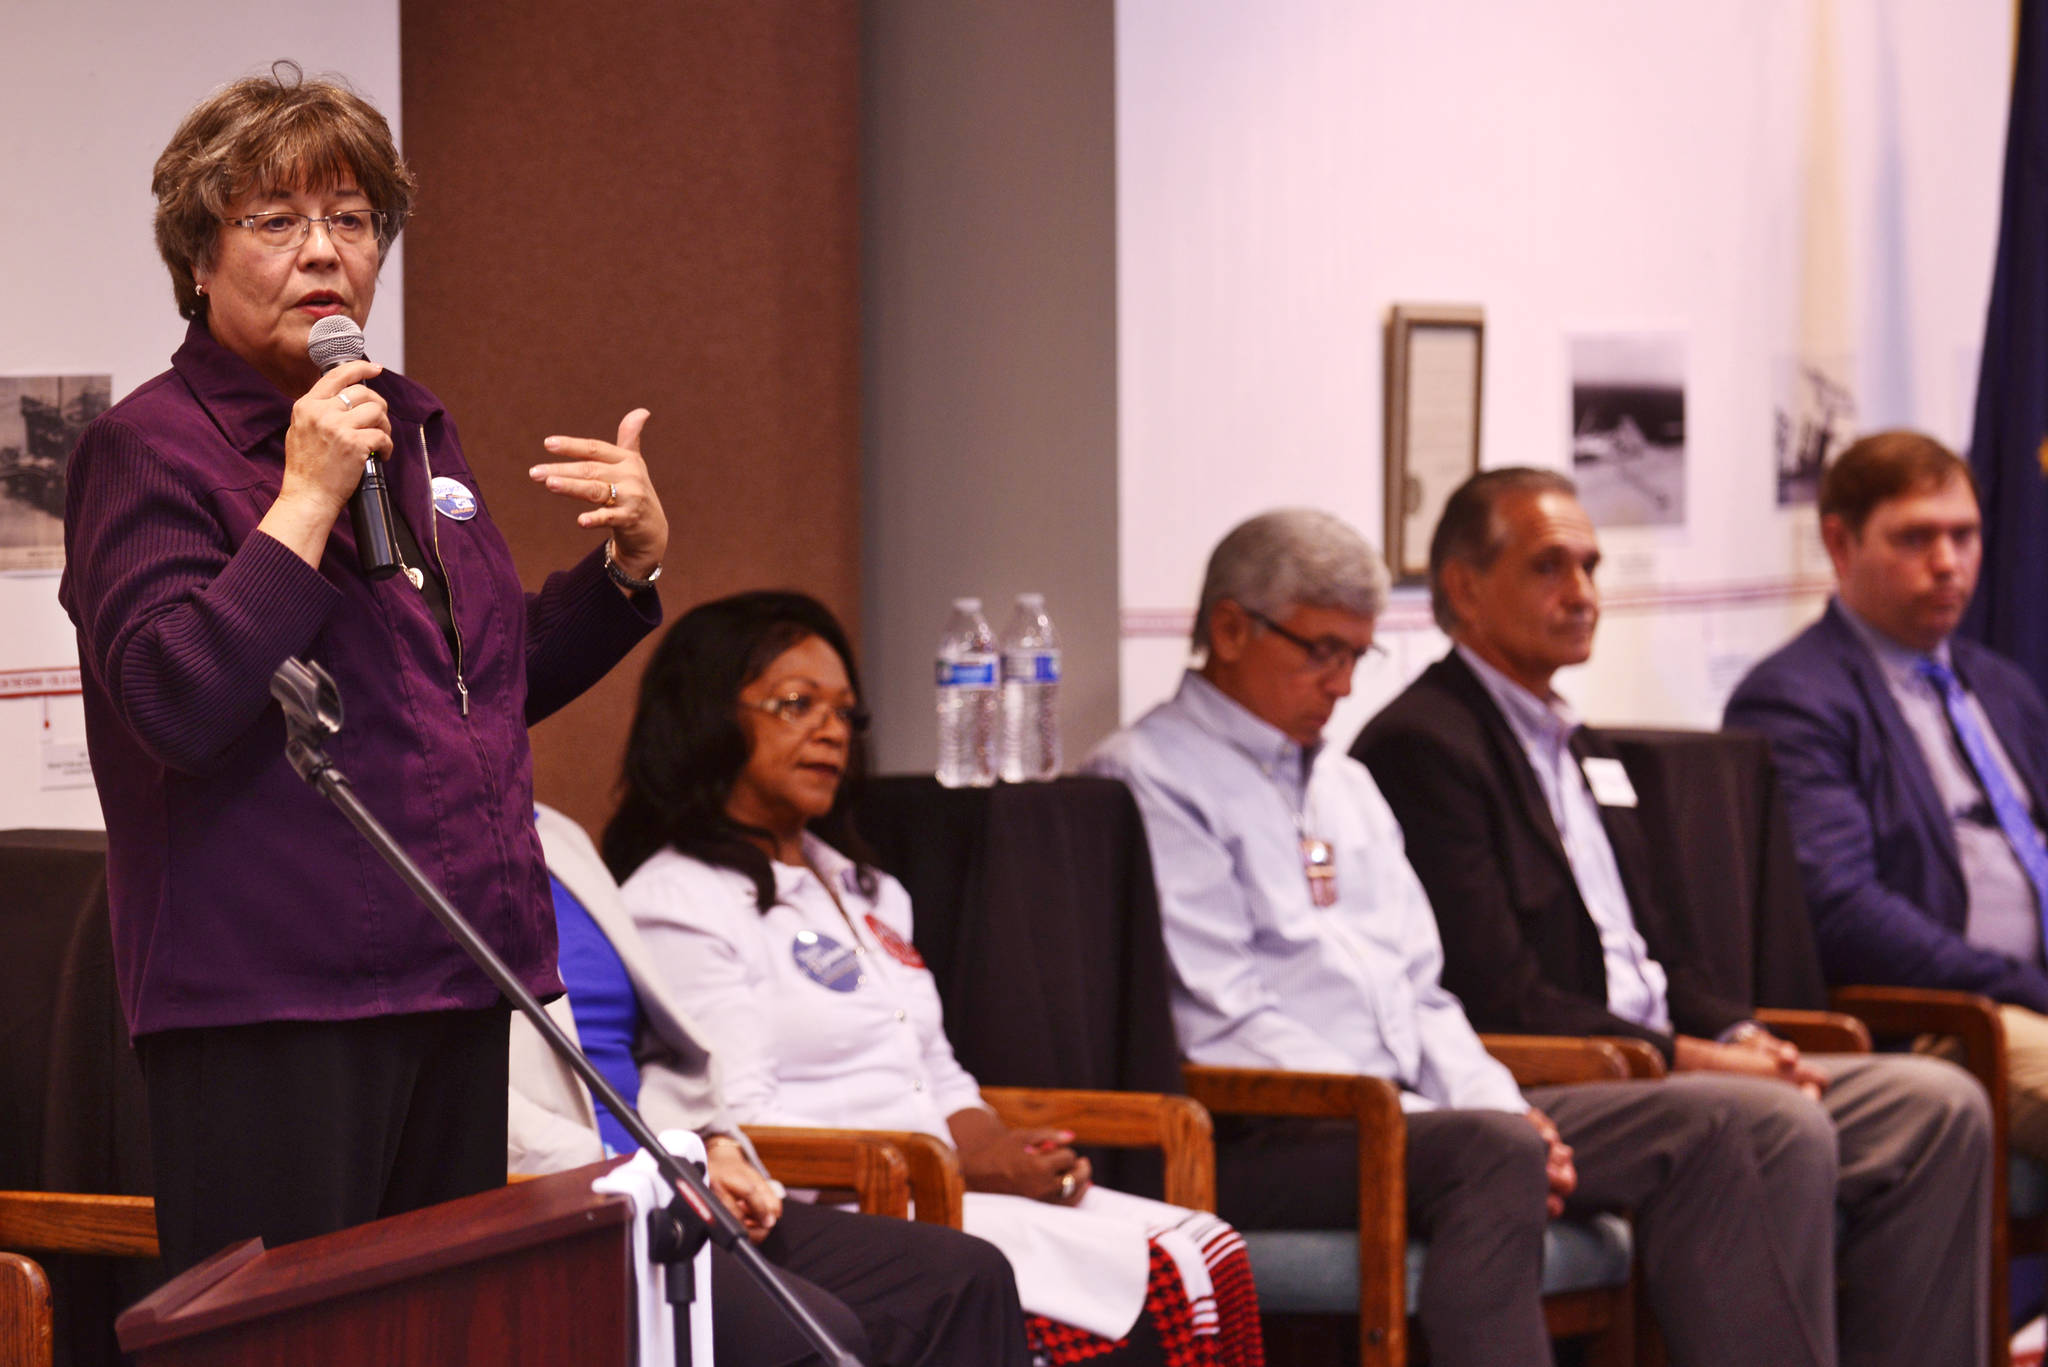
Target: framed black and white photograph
(40, 419)
(1815, 418)
(1435, 361)
(1628, 428)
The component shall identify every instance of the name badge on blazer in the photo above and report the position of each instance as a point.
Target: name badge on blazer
(1609, 782)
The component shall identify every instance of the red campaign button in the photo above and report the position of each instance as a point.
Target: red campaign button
(899, 948)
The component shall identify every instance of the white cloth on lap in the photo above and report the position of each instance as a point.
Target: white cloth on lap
(640, 1182)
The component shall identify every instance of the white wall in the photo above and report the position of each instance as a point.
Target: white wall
(1288, 170)
(90, 91)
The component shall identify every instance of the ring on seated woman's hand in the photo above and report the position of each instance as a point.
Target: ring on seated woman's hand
(346, 401)
(1067, 1185)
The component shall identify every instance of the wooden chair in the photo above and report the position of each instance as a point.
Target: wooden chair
(58, 1222)
(1605, 1313)
(1037, 912)
(1175, 1125)
(1715, 816)
(869, 1165)
(2019, 1185)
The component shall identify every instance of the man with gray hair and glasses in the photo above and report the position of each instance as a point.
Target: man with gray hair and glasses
(1300, 939)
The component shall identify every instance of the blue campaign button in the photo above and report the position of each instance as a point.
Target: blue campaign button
(825, 961)
(452, 500)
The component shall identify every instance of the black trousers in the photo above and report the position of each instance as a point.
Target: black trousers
(287, 1129)
(898, 1293)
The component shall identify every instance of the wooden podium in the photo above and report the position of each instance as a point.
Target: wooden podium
(535, 1274)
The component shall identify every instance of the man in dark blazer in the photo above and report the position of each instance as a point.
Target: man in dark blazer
(1521, 825)
(1879, 721)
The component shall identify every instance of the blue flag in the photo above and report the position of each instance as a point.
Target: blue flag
(2010, 613)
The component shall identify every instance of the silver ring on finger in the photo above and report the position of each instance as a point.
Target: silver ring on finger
(346, 401)
(1067, 1185)
(611, 499)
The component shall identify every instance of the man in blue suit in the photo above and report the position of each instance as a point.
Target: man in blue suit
(1915, 763)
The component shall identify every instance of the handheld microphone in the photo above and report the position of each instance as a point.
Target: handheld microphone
(334, 340)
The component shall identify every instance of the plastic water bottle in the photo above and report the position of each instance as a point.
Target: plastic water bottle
(1031, 693)
(967, 699)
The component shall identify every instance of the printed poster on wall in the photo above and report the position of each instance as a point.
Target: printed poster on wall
(40, 419)
(1815, 418)
(1628, 427)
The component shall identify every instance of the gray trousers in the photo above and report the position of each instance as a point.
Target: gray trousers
(1733, 1184)
(1907, 1162)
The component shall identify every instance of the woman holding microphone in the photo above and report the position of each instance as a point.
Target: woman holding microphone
(317, 1051)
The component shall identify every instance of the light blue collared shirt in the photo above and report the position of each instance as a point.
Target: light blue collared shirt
(1637, 987)
(2003, 914)
(1264, 978)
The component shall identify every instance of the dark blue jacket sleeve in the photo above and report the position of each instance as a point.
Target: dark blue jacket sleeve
(1867, 931)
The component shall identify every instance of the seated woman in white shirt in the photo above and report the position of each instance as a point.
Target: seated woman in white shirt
(894, 1292)
(738, 861)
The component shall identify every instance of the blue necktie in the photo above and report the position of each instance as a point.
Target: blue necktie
(2006, 805)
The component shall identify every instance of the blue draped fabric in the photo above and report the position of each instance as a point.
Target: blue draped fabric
(2010, 612)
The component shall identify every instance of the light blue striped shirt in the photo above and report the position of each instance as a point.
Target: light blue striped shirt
(1264, 978)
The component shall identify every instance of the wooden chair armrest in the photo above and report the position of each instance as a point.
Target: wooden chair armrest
(1554, 1060)
(1176, 1125)
(1373, 1101)
(1643, 1059)
(936, 1187)
(1374, 1105)
(26, 1333)
(1903, 1012)
(872, 1165)
(68, 1222)
(1817, 1032)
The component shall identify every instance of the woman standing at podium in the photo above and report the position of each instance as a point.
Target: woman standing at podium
(317, 1051)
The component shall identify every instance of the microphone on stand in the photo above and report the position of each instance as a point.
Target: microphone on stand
(334, 340)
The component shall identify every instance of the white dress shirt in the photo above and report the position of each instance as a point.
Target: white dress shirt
(1264, 978)
(810, 1020)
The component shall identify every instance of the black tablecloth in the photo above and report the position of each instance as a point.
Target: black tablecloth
(1715, 816)
(1034, 906)
(72, 1116)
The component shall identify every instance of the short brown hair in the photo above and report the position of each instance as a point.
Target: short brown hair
(1884, 466)
(262, 133)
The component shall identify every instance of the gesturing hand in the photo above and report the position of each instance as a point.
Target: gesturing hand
(612, 477)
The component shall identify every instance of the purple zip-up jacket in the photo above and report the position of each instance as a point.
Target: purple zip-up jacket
(237, 893)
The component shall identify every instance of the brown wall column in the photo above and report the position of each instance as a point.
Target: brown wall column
(645, 203)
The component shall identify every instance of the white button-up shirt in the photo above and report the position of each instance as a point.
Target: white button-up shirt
(1264, 978)
(1637, 986)
(809, 1020)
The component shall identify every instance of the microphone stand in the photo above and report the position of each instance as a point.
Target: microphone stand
(312, 713)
